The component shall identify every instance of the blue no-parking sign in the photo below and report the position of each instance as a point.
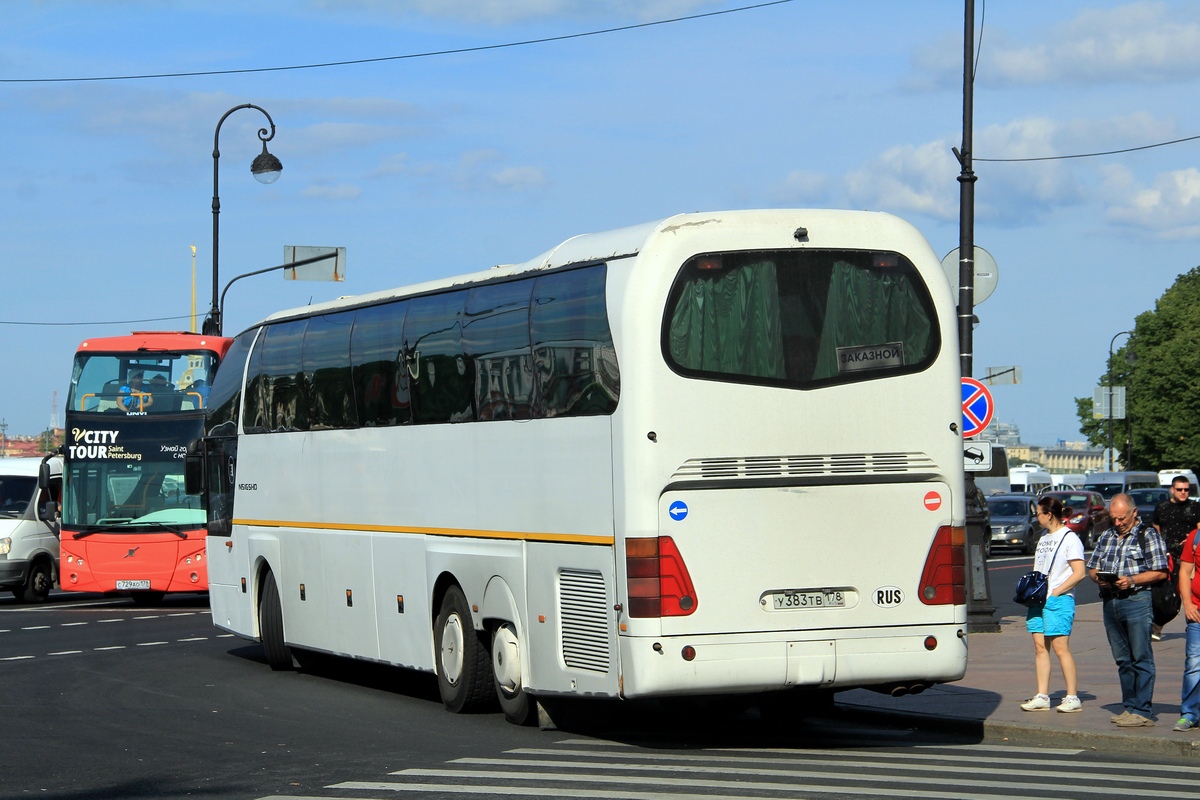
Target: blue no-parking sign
(977, 407)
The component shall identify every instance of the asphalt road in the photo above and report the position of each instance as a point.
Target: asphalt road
(104, 699)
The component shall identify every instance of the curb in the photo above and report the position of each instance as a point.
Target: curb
(1186, 746)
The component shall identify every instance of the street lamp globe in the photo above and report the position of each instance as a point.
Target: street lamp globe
(266, 168)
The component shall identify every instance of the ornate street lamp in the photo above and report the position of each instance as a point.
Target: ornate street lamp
(265, 168)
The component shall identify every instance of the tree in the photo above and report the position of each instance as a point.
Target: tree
(1162, 395)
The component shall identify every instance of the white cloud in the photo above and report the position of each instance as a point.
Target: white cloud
(519, 178)
(395, 164)
(908, 179)
(343, 191)
(1170, 208)
(483, 169)
(1138, 43)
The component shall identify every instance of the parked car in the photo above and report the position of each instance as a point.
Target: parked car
(1147, 500)
(1088, 503)
(1014, 522)
(978, 515)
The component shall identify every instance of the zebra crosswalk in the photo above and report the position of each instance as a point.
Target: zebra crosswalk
(589, 768)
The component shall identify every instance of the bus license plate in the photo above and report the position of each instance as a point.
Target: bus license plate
(785, 601)
(132, 585)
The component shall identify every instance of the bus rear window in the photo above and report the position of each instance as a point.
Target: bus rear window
(799, 319)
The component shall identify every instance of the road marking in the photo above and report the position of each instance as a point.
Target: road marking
(119, 619)
(194, 639)
(111, 647)
(72, 624)
(152, 616)
(65, 653)
(148, 644)
(183, 614)
(15, 658)
(36, 628)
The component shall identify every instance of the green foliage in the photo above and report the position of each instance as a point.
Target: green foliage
(1162, 400)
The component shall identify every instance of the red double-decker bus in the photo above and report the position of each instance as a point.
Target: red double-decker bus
(134, 404)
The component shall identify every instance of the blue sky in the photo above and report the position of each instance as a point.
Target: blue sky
(428, 167)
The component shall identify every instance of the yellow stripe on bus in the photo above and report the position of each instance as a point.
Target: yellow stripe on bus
(568, 538)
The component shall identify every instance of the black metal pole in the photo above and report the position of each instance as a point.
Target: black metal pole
(291, 264)
(966, 202)
(212, 325)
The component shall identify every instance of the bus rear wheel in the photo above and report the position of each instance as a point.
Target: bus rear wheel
(518, 707)
(270, 626)
(462, 660)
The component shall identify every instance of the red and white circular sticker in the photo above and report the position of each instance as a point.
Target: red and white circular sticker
(933, 501)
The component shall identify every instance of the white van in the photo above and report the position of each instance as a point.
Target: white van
(28, 546)
(1029, 478)
(1110, 484)
(1167, 476)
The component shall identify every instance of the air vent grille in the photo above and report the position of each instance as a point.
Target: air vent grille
(583, 613)
(838, 464)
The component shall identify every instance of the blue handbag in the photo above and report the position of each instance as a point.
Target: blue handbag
(1032, 587)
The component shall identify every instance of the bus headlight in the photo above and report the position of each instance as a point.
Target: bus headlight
(5, 545)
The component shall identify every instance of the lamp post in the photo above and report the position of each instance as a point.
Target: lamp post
(265, 168)
(1129, 360)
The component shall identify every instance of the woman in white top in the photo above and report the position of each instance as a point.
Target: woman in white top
(1060, 556)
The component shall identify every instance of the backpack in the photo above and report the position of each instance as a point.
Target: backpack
(1164, 595)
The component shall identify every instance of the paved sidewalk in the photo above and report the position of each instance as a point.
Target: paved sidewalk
(1000, 677)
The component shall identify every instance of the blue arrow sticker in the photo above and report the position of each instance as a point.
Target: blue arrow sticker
(678, 510)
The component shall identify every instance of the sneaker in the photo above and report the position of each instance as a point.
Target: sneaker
(1118, 717)
(1070, 704)
(1156, 633)
(1184, 724)
(1136, 721)
(1039, 702)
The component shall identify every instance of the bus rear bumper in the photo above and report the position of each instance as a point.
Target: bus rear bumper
(918, 655)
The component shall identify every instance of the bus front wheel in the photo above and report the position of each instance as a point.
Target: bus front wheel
(37, 584)
(270, 626)
(518, 707)
(462, 660)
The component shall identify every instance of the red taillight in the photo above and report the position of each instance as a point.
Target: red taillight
(943, 581)
(658, 580)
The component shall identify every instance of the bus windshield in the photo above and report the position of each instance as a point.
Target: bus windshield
(141, 383)
(123, 476)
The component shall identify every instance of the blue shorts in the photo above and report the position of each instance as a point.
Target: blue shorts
(1055, 618)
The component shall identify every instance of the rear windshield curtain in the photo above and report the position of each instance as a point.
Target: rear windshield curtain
(801, 319)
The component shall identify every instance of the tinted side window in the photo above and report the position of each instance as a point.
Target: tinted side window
(575, 363)
(496, 340)
(380, 378)
(282, 386)
(226, 392)
(327, 372)
(441, 375)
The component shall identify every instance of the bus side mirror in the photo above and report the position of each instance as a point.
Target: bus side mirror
(44, 476)
(193, 468)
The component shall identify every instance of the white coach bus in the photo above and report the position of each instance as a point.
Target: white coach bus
(719, 453)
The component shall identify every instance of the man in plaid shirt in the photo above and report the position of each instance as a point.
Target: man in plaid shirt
(1129, 558)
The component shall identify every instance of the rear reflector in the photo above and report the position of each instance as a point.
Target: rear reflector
(943, 581)
(658, 580)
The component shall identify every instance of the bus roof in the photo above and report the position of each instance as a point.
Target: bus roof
(823, 228)
(165, 341)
